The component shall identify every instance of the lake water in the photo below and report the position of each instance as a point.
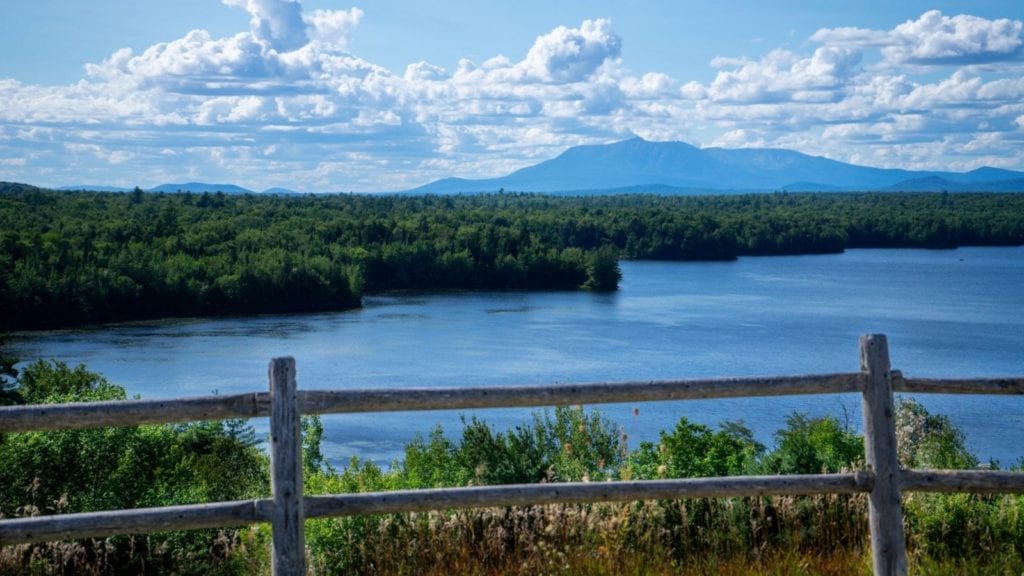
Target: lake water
(953, 313)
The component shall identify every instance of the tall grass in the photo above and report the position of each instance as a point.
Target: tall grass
(825, 535)
(818, 535)
(230, 552)
(663, 537)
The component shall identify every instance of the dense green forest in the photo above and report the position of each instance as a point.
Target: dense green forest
(70, 258)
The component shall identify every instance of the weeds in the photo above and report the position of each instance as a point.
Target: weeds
(818, 535)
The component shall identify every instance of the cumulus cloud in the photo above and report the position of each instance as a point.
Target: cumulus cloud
(290, 77)
(332, 28)
(424, 71)
(195, 56)
(572, 54)
(878, 94)
(285, 103)
(275, 24)
(652, 85)
(739, 138)
(230, 110)
(113, 157)
(284, 46)
(782, 75)
(935, 39)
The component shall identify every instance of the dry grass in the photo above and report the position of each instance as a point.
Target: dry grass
(822, 535)
(727, 536)
(225, 552)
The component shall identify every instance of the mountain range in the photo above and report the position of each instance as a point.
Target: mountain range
(637, 165)
(641, 166)
(194, 187)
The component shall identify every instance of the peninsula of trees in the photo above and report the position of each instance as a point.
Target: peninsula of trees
(71, 258)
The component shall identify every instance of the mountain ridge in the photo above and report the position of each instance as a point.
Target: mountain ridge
(194, 187)
(673, 167)
(638, 163)
(200, 187)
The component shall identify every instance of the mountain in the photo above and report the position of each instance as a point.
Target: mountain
(200, 187)
(278, 191)
(941, 184)
(195, 187)
(94, 188)
(637, 164)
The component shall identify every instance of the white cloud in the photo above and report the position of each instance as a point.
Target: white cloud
(188, 61)
(739, 138)
(653, 85)
(109, 156)
(572, 54)
(331, 28)
(936, 39)
(285, 102)
(852, 37)
(694, 90)
(837, 101)
(424, 71)
(275, 24)
(781, 76)
(230, 110)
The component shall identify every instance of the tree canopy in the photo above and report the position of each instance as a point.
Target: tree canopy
(70, 258)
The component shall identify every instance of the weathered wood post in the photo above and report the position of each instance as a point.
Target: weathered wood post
(288, 520)
(885, 511)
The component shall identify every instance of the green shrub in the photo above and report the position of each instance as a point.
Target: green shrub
(125, 467)
(927, 440)
(569, 444)
(693, 450)
(813, 446)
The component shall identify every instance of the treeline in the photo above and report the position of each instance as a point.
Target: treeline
(83, 257)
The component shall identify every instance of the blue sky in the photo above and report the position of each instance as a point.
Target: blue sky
(324, 96)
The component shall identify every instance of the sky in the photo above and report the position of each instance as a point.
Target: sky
(320, 95)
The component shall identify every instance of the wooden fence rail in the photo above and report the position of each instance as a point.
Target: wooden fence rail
(287, 510)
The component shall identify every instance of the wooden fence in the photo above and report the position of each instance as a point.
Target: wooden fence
(287, 510)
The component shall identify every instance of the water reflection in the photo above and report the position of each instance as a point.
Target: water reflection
(786, 315)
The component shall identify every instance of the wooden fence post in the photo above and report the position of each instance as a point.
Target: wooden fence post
(288, 518)
(885, 511)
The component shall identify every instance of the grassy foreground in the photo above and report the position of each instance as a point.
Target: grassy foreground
(78, 471)
(824, 535)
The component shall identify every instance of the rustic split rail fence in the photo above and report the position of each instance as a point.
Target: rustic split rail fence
(287, 510)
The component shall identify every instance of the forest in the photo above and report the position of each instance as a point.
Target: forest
(73, 258)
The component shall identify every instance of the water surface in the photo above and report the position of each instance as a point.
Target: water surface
(952, 313)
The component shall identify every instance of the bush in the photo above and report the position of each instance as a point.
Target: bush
(929, 441)
(568, 445)
(693, 450)
(813, 446)
(126, 467)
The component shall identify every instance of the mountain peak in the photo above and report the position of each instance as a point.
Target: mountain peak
(637, 163)
(200, 187)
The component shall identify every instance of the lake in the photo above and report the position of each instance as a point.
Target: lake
(950, 313)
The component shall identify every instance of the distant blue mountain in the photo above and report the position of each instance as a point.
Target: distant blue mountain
(637, 165)
(95, 188)
(194, 187)
(278, 191)
(939, 183)
(200, 187)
